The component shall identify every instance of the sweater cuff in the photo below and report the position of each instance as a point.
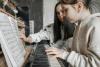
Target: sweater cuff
(65, 55)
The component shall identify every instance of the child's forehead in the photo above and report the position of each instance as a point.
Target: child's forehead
(65, 6)
(59, 5)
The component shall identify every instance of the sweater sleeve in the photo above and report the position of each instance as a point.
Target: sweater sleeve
(42, 35)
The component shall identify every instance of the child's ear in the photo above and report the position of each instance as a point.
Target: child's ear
(79, 6)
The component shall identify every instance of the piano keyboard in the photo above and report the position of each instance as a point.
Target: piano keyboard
(41, 59)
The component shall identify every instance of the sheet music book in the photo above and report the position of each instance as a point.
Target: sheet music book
(11, 45)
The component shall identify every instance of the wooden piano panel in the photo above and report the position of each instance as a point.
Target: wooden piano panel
(2, 60)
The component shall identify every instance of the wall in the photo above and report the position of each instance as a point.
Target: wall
(48, 11)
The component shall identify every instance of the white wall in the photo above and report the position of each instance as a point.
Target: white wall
(48, 11)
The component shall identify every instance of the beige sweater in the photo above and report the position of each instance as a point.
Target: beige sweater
(86, 43)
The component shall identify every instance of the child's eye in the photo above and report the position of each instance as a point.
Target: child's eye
(65, 9)
(62, 11)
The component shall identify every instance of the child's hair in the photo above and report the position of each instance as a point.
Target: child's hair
(85, 2)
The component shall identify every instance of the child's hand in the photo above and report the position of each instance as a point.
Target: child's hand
(57, 52)
(23, 37)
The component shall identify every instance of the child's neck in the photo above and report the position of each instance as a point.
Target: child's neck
(85, 14)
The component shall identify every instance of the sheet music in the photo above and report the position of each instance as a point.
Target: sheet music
(10, 42)
(6, 56)
(5, 53)
(31, 22)
(14, 25)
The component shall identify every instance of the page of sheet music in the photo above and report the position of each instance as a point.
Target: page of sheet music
(13, 23)
(10, 42)
(6, 55)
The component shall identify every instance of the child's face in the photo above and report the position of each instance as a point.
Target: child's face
(59, 12)
(74, 12)
(70, 13)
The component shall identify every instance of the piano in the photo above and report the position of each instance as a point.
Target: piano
(16, 54)
(41, 59)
